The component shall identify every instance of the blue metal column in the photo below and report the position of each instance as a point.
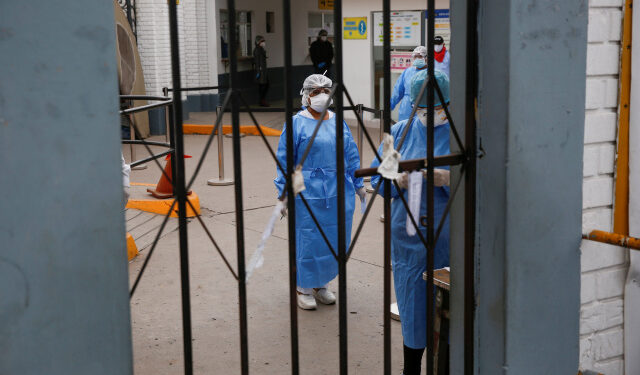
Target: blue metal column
(531, 84)
(64, 305)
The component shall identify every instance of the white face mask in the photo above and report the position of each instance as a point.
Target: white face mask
(439, 118)
(319, 102)
(438, 47)
(263, 44)
(323, 38)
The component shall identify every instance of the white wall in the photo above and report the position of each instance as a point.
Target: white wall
(604, 267)
(154, 44)
(200, 52)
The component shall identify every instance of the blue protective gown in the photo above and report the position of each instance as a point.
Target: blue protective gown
(408, 254)
(314, 260)
(445, 65)
(402, 93)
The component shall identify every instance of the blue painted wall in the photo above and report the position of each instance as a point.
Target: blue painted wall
(64, 306)
(529, 185)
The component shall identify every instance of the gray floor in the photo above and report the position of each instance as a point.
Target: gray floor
(155, 308)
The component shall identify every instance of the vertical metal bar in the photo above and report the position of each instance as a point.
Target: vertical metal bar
(291, 207)
(385, 123)
(430, 189)
(381, 123)
(470, 184)
(237, 172)
(172, 143)
(128, 5)
(360, 114)
(165, 92)
(342, 240)
(132, 136)
(179, 187)
(220, 147)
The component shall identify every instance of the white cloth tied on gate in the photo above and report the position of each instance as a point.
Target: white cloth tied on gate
(388, 168)
(257, 259)
(414, 191)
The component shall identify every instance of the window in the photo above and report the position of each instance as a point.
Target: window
(317, 22)
(271, 24)
(244, 38)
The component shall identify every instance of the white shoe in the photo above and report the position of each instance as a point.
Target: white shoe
(324, 296)
(306, 302)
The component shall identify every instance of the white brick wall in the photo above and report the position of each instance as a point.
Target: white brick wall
(604, 267)
(154, 44)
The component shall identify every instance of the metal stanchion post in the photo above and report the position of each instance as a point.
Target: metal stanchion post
(220, 181)
(230, 135)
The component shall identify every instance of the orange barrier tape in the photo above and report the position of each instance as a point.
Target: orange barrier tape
(226, 129)
(613, 239)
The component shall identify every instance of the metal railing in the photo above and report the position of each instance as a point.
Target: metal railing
(235, 103)
(163, 101)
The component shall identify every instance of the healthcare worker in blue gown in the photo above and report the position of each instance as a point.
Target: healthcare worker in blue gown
(315, 263)
(408, 253)
(402, 88)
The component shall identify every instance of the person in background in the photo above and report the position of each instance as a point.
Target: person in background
(260, 68)
(402, 88)
(441, 55)
(408, 253)
(321, 52)
(314, 260)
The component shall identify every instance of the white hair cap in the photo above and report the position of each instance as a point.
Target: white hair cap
(420, 50)
(311, 83)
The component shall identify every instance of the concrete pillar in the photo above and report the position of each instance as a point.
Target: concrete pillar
(532, 58)
(64, 305)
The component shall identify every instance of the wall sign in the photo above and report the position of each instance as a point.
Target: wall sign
(406, 28)
(400, 61)
(325, 4)
(354, 27)
(442, 26)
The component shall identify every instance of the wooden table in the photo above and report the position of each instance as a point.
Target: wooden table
(442, 282)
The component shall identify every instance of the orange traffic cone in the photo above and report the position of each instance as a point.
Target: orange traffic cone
(164, 189)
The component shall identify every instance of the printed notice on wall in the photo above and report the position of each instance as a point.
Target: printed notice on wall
(442, 26)
(400, 61)
(406, 29)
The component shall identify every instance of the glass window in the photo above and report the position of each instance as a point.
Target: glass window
(244, 46)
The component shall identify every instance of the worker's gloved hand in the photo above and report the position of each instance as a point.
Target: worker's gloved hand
(362, 192)
(403, 180)
(322, 65)
(441, 177)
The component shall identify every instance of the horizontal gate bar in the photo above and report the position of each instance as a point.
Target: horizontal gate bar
(414, 164)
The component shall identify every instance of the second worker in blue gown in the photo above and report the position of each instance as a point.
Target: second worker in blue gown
(408, 253)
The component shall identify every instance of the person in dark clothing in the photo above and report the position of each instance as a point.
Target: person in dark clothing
(321, 52)
(260, 67)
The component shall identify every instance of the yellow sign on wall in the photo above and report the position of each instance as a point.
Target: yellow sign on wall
(325, 4)
(354, 27)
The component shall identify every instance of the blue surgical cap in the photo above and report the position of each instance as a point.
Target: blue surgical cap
(418, 80)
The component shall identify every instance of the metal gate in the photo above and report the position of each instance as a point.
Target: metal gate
(233, 101)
